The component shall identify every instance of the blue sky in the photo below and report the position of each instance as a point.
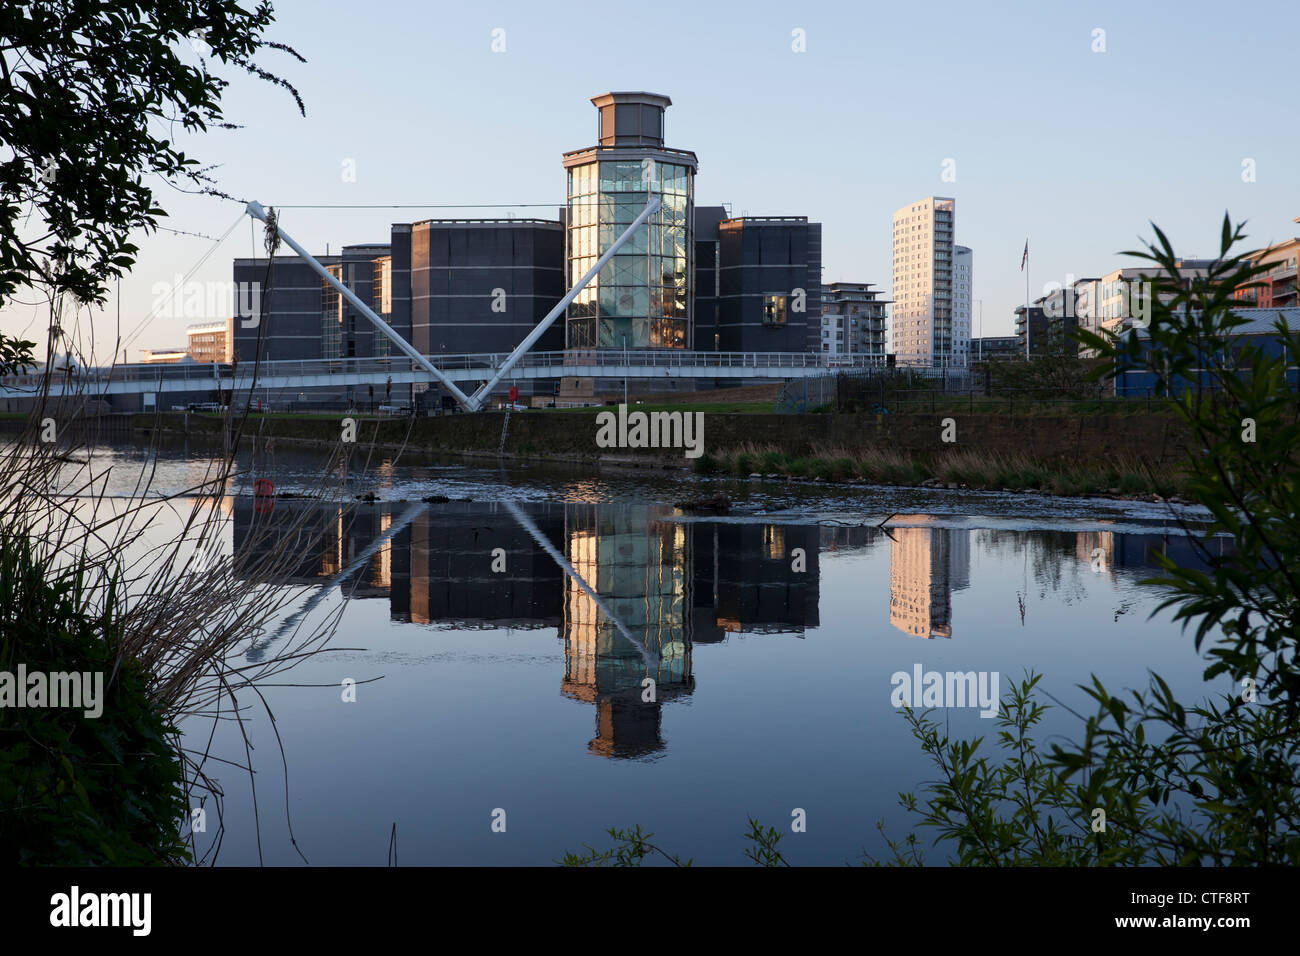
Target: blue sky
(1078, 150)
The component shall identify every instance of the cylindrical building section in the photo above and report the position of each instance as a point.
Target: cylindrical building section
(642, 297)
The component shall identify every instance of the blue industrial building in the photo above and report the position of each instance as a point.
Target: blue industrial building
(1259, 332)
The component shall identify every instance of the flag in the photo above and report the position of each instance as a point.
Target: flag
(1025, 258)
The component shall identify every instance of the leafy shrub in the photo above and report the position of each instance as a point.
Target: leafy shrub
(76, 790)
(1216, 782)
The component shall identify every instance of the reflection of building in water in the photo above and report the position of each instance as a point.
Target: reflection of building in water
(1119, 551)
(744, 579)
(834, 538)
(669, 583)
(926, 565)
(638, 565)
(1096, 549)
(299, 542)
(442, 568)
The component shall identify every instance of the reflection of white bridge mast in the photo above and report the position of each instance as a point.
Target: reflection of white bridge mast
(471, 402)
(324, 589)
(409, 515)
(649, 656)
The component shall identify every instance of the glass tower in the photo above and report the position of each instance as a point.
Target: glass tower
(642, 297)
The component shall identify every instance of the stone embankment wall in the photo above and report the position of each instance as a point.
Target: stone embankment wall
(1062, 440)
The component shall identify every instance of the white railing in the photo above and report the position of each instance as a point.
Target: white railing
(207, 377)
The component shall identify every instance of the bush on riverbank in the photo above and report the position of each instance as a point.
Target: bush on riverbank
(78, 790)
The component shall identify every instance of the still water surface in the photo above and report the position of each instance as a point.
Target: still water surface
(771, 635)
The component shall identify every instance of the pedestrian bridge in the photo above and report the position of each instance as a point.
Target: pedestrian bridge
(643, 364)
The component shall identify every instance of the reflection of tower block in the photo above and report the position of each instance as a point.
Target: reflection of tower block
(921, 572)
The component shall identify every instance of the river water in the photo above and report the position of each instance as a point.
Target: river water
(503, 644)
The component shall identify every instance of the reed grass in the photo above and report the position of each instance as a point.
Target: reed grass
(186, 608)
(966, 468)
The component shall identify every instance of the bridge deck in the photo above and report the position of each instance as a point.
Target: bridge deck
(316, 373)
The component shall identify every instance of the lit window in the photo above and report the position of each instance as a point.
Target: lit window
(774, 310)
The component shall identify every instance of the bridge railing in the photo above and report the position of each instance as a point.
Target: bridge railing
(199, 377)
(569, 358)
(203, 376)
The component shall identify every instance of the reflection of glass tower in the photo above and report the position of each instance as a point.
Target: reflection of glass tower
(926, 565)
(638, 567)
(642, 297)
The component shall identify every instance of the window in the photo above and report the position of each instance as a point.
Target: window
(331, 318)
(774, 310)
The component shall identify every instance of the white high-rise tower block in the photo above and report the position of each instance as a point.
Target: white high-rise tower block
(925, 329)
(962, 263)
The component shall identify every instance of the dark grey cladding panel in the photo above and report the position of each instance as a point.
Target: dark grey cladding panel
(768, 258)
(456, 269)
(814, 286)
(358, 333)
(484, 283)
(494, 244)
(290, 302)
(705, 288)
(707, 219)
(401, 255)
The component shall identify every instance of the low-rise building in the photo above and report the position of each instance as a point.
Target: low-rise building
(210, 341)
(1124, 295)
(162, 356)
(853, 320)
(1276, 288)
(996, 348)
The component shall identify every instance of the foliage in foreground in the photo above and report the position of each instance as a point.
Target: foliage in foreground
(1213, 783)
(92, 96)
(632, 847)
(78, 790)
